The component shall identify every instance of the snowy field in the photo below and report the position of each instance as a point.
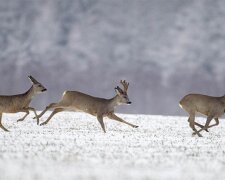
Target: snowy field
(73, 147)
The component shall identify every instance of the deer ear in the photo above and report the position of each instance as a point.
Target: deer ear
(30, 77)
(33, 81)
(118, 90)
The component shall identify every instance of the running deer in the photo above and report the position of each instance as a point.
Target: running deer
(20, 102)
(212, 107)
(99, 107)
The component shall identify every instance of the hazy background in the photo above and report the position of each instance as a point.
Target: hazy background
(164, 48)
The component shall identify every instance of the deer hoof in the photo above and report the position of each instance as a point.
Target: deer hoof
(44, 123)
(194, 133)
(135, 126)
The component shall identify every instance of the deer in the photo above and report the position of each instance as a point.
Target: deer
(210, 106)
(20, 102)
(98, 107)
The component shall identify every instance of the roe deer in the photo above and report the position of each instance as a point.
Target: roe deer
(212, 107)
(77, 101)
(20, 102)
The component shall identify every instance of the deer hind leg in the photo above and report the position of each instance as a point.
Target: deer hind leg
(100, 120)
(192, 124)
(57, 110)
(52, 105)
(201, 126)
(209, 119)
(216, 124)
(1, 126)
(116, 118)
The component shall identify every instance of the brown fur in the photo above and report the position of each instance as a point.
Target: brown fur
(99, 107)
(20, 102)
(212, 107)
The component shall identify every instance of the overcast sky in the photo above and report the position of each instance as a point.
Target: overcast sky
(165, 49)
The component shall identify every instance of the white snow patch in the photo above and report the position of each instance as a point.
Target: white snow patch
(73, 146)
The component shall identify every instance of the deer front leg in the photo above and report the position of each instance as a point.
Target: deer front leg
(21, 119)
(35, 113)
(100, 120)
(114, 117)
(1, 126)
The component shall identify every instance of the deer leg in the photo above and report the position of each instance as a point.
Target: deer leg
(192, 124)
(52, 105)
(114, 117)
(209, 119)
(100, 120)
(21, 119)
(1, 126)
(217, 123)
(35, 113)
(201, 126)
(52, 114)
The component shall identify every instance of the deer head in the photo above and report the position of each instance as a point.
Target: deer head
(37, 87)
(122, 94)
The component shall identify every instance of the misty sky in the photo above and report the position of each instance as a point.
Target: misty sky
(165, 49)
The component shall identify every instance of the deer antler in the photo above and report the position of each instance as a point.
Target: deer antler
(125, 85)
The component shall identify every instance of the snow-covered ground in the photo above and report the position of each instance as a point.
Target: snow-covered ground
(73, 146)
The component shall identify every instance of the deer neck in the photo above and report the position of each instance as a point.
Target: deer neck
(223, 99)
(114, 102)
(30, 93)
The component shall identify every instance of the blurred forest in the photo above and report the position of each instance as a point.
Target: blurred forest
(164, 48)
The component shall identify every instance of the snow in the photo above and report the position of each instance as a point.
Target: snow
(73, 146)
